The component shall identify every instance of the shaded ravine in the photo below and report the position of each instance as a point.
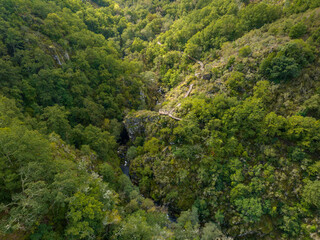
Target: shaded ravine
(125, 167)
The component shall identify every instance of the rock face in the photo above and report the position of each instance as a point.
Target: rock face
(135, 123)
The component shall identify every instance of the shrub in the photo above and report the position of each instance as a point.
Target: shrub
(288, 62)
(297, 6)
(236, 82)
(152, 146)
(298, 30)
(280, 68)
(107, 172)
(315, 38)
(311, 193)
(250, 209)
(300, 51)
(311, 107)
(131, 153)
(245, 51)
(171, 78)
(256, 15)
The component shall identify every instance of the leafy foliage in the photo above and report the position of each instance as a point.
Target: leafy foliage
(115, 113)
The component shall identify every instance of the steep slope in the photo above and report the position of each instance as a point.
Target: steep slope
(220, 102)
(240, 140)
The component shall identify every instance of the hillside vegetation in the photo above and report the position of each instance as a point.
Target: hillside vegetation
(213, 105)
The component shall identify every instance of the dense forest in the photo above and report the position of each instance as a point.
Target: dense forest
(159, 119)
